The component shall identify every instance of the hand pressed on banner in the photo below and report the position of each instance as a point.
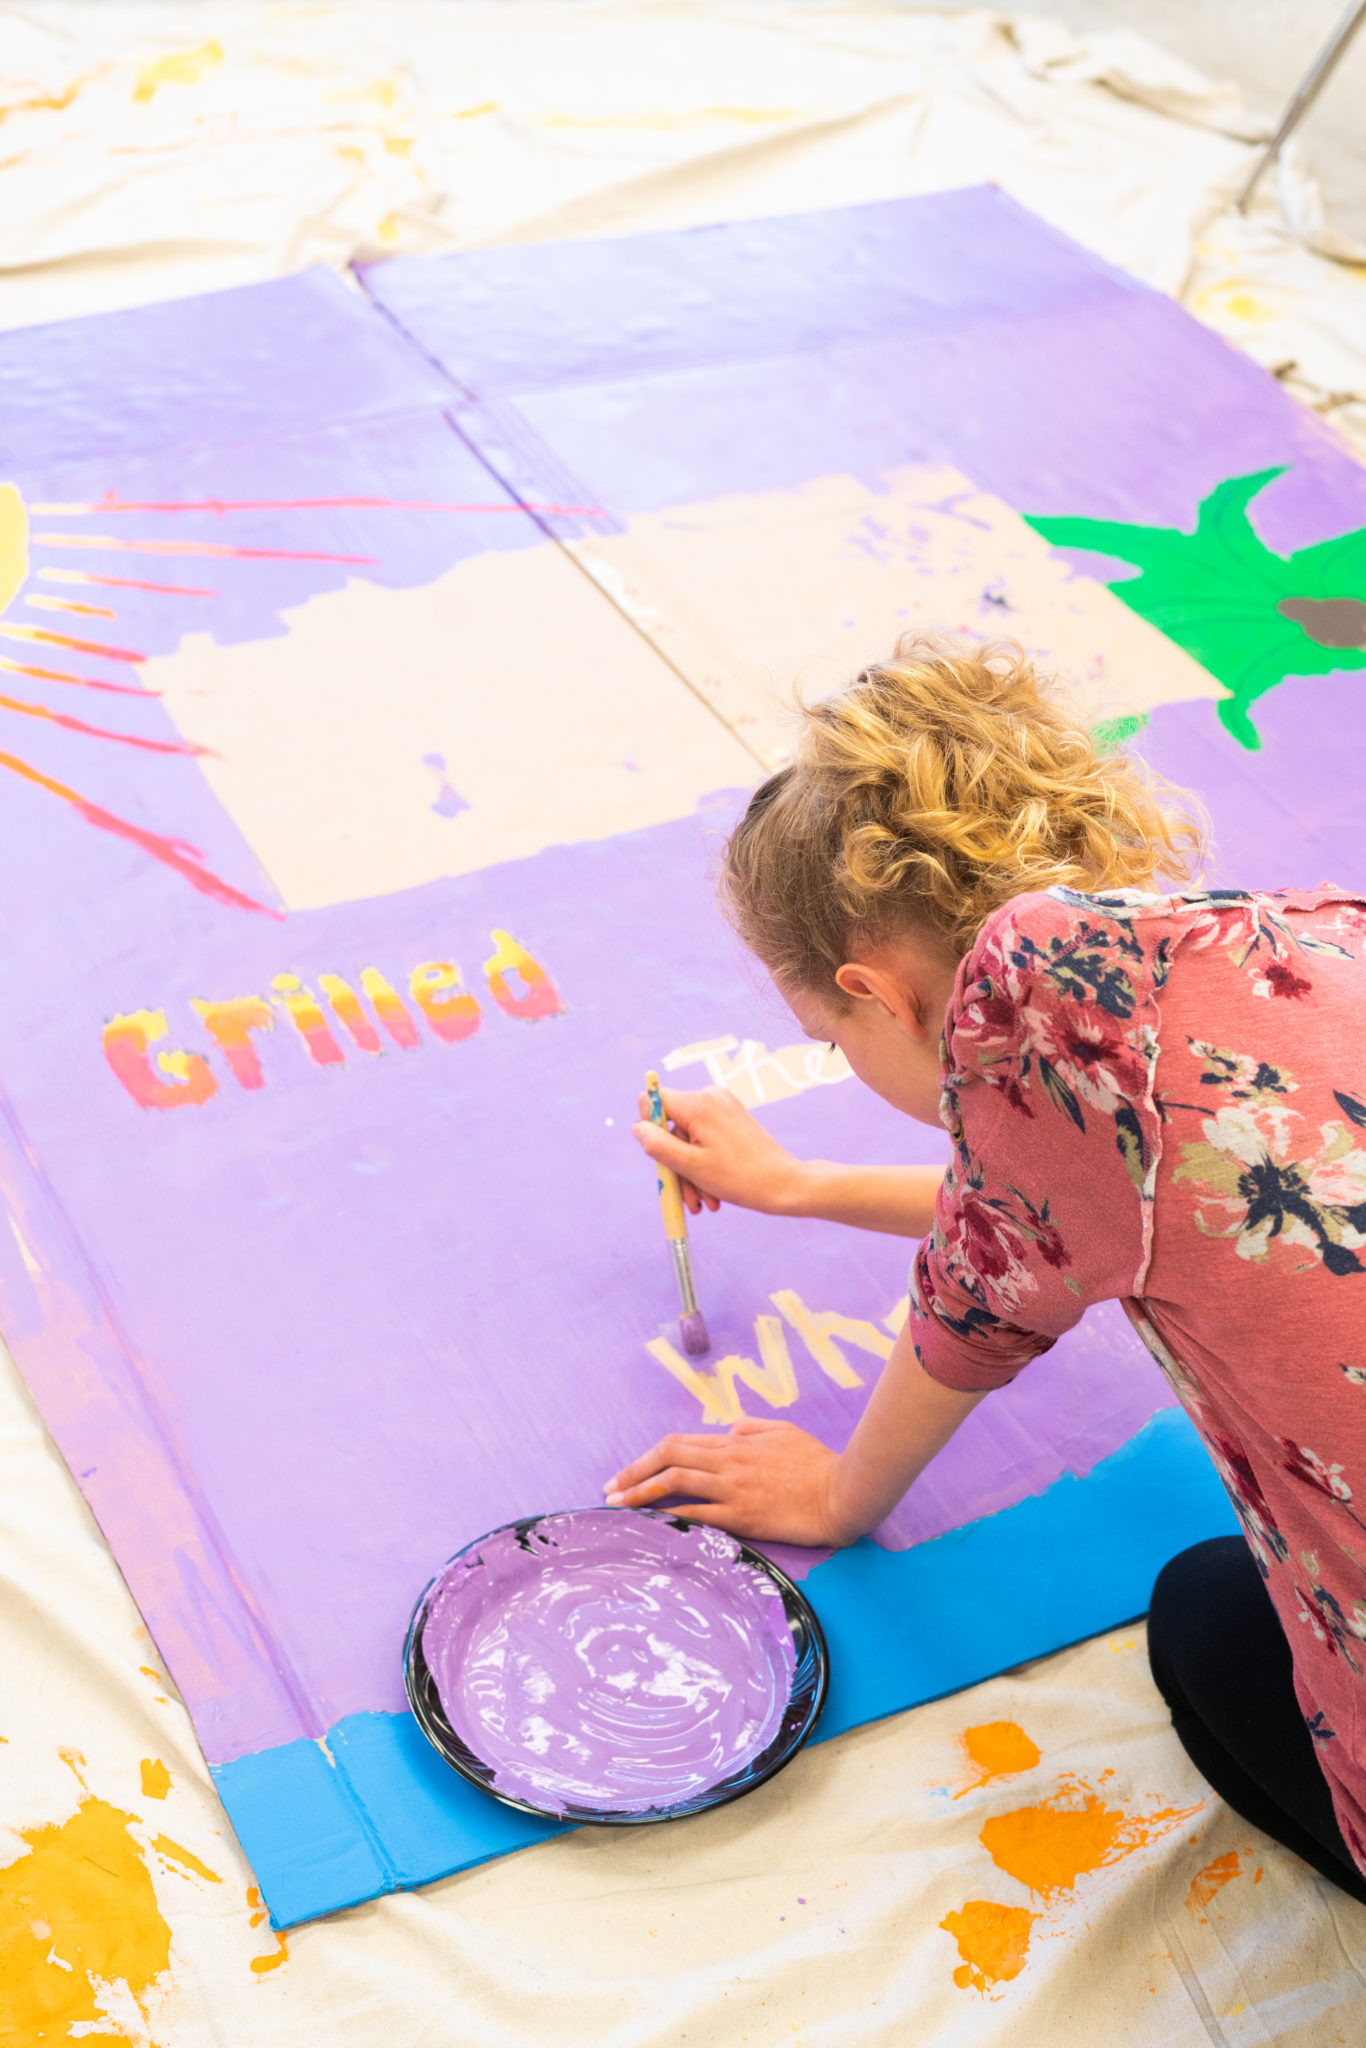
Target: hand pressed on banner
(761, 1478)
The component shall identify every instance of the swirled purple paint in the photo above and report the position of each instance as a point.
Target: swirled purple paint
(609, 1660)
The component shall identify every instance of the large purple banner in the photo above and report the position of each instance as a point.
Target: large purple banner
(380, 677)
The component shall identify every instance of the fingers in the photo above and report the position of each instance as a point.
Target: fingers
(674, 1479)
(679, 1103)
(664, 1147)
(698, 1451)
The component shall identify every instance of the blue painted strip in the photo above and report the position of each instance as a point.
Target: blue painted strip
(910, 1625)
(299, 1832)
(378, 1811)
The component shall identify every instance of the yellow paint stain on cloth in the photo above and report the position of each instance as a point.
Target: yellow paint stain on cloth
(998, 1749)
(992, 1940)
(173, 1853)
(1212, 1879)
(77, 1913)
(260, 1964)
(280, 1953)
(181, 67)
(156, 1779)
(1049, 1846)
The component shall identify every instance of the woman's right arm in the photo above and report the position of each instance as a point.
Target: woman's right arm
(723, 1154)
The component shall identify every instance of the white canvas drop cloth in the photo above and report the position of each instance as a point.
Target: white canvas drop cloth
(150, 150)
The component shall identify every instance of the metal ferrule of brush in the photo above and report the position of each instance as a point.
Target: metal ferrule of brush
(687, 1293)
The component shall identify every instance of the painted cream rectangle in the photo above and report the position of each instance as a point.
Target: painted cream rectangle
(755, 595)
(390, 737)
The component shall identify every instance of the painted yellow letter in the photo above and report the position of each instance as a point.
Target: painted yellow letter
(816, 1331)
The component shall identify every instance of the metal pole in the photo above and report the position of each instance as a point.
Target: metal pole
(1314, 81)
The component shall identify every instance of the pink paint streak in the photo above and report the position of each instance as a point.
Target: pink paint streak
(173, 853)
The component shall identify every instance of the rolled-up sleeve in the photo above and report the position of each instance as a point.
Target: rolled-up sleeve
(1048, 1099)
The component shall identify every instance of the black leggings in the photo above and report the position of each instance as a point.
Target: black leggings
(1222, 1664)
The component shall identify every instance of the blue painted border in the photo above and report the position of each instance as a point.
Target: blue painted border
(374, 1809)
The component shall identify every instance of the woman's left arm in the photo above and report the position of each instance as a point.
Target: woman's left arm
(1046, 1208)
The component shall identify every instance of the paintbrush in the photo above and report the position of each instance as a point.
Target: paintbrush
(691, 1327)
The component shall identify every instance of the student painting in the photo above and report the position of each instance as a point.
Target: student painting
(1154, 1098)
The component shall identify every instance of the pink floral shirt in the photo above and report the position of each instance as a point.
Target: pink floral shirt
(1162, 1099)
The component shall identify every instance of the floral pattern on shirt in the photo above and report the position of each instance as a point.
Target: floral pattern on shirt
(1061, 1015)
(1162, 1100)
(1263, 1182)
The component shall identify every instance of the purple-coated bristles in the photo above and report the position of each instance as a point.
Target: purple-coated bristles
(693, 1331)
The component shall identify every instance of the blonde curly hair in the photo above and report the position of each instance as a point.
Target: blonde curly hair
(924, 796)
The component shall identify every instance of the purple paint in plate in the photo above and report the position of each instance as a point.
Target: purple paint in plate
(617, 1665)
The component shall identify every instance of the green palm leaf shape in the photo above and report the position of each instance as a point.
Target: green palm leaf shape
(1248, 615)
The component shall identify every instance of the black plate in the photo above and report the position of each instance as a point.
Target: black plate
(810, 1682)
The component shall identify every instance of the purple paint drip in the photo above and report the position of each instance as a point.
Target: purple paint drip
(609, 1659)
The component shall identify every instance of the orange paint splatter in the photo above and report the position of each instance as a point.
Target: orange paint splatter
(1212, 1879)
(992, 1940)
(78, 1917)
(1049, 1846)
(998, 1749)
(280, 1953)
(156, 1779)
(173, 1853)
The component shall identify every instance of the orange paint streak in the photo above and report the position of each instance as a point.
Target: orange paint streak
(156, 1779)
(1212, 1879)
(41, 603)
(190, 547)
(14, 631)
(301, 1007)
(436, 988)
(126, 1043)
(122, 582)
(992, 1940)
(346, 1003)
(99, 732)
(998, 1749)
(57, 675)
(389, 1009)
(230, 1025)
(260, 1964)
(1049, 1846)
(296, 505)
(542, 998)
(174, 1853)
(174, 853)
